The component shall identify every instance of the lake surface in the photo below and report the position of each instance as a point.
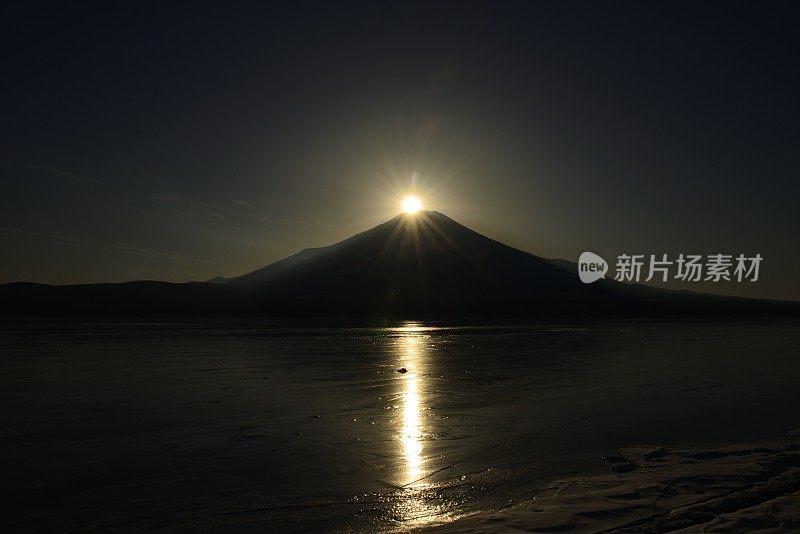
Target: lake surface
(248, 425)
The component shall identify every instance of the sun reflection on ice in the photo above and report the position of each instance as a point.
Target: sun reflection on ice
(411, 434)
(418, 503)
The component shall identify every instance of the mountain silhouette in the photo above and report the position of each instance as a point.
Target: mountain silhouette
(420, 265)
(418, 262)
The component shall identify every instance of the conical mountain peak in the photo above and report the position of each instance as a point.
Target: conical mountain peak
(412, 260)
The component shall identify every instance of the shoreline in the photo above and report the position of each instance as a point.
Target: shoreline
(742, 487)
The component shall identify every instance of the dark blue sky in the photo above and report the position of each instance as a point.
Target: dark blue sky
(146, 141)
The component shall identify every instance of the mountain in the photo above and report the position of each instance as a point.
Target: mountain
(421, 265)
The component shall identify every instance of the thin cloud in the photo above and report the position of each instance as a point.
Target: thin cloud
(60, 172)
(111, 246)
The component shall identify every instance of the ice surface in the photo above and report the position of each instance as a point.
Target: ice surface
(233, 425)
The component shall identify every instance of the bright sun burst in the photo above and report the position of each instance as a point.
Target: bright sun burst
(411, 204)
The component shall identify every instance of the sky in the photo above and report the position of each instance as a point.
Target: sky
(180, 142)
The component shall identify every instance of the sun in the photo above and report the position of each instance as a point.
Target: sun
(411, 204)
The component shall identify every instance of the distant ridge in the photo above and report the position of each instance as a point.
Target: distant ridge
(421, 265)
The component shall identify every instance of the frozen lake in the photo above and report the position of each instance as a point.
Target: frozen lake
(237, 425)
